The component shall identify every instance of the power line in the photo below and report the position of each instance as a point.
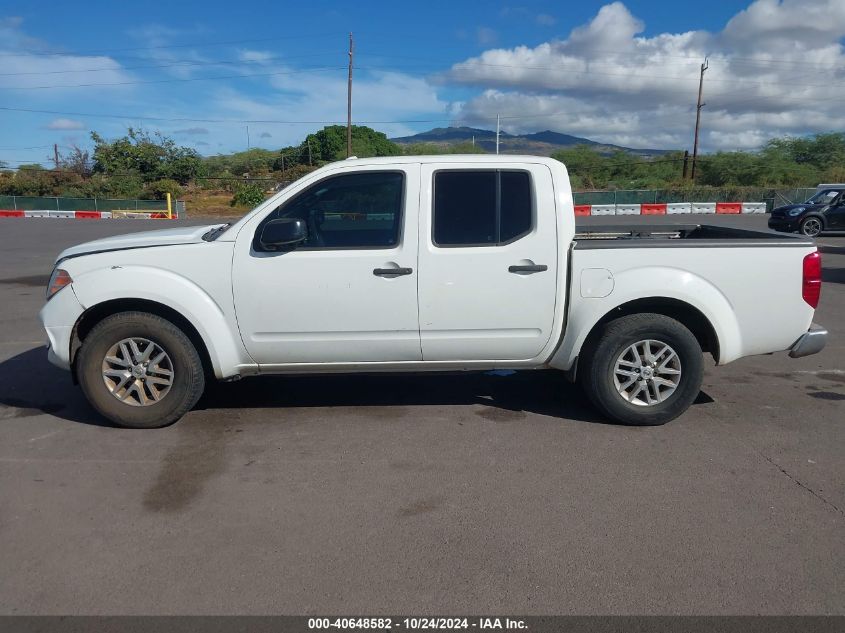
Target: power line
(13, 149)
(726, 58)
(150, 48)
(180, 80)
(203, 120)
(174, 64)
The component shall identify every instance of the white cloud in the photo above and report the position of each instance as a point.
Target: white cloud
(65, 124)
(254, 56)
(544, 19)
(31, 69)
(485, 35)
(776, 68)
(321, 98)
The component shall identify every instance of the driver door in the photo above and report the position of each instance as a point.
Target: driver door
(333, 298)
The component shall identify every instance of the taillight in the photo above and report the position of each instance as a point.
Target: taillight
(58, 280)
(811, 282)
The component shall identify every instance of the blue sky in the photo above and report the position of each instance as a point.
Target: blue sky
(620, 72)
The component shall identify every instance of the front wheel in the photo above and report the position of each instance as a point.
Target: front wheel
(642, 369)
(140, 370)
(811, 227)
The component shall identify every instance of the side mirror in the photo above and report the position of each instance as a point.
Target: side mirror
(283, 233)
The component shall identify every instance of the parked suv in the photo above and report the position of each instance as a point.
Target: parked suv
(825, 211)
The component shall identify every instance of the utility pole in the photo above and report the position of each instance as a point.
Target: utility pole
(700, 105)
(247, 138)
(497, 133)
(56, 155)
(349, 104)
(686, 164)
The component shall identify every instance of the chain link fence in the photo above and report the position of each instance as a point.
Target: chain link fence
(51, 203)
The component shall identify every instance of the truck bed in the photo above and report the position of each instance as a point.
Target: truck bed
(680, 235)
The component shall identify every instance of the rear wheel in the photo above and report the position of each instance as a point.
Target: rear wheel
(139, 370)
(642, 369)
(811, 227)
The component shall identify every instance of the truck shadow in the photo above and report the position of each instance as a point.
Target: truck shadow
(504, 397)
(30, 385)
(833, 275)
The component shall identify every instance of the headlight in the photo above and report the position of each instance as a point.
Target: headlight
(796, 211)
(58, 280)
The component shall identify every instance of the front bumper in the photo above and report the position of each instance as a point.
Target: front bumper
(783, 224)
(58, 316)
(811, 342)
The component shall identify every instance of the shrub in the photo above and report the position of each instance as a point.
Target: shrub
(247, 195)
(158, 189)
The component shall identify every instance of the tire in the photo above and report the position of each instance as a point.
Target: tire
(610, 353)
(811, 226)
(137, 406)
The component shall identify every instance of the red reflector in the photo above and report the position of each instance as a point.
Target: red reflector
(811, 284)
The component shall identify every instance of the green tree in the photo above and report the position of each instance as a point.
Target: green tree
(428, 149)
(159, 189)
(252, 162)
(729, 168)
(329, 144)
(592, 169)
(151, 156)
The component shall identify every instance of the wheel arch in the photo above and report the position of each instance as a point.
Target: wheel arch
(177, 298)
(814, 214)
(690, 316)
(95, 314)
(686, 314)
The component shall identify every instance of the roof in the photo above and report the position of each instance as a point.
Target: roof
(448, 158)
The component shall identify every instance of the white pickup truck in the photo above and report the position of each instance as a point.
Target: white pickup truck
(444, 263)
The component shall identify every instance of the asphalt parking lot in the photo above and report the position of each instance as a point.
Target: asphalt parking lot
(477, 494)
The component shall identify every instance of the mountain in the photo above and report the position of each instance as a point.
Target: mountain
(541, 143)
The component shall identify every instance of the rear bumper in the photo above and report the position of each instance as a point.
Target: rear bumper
(811, 342)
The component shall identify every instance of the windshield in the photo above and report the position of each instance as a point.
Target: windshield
(823, 197)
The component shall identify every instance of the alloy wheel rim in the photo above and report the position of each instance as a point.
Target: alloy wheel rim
(812, 227)
(647, 373)
(137, 371)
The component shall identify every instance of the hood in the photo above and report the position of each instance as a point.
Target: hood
(144, 239)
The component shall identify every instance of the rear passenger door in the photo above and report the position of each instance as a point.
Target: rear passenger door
(487, 261)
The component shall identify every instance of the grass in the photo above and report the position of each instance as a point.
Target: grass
(212, 204)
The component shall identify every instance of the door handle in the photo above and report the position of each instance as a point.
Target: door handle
(392, 272)
(532, 268)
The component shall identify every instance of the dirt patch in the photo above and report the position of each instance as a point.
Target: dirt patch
(31, 280)
(428, 504)
(827, 395)
(500, 415)
(190, 464)
(831, 376)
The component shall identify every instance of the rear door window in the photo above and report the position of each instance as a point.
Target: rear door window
(481, 207)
